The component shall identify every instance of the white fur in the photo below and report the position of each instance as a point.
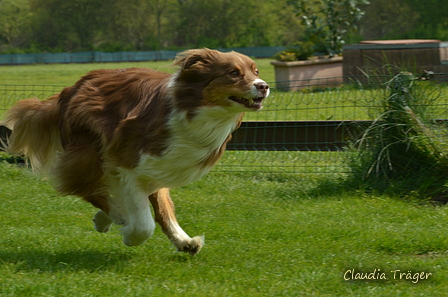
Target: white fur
(130, 205)
(171, 85)
(192, 141)
(102, 222)
(259, 80)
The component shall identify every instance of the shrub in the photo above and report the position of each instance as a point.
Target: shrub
(327, 22)
(298, 51)
(402, 151)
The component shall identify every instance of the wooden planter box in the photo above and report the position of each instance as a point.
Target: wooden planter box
(291, 76)
(414, 55)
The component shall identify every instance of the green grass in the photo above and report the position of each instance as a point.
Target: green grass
(348, 103)
(43, 80)
(266, 235)
(297, 162)
(68, 74)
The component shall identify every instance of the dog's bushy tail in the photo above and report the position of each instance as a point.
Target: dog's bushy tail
(35, 131)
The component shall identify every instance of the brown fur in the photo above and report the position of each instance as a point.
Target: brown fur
(109, 118)
(28, 119)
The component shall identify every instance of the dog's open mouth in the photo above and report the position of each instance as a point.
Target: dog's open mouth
(252, 103)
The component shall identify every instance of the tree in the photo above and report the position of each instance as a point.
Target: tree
(67, 25)
(385, 19)
(225, 23)
(432, 21)
(328, 21)
(126, 26)
(13, 19)
(117, 25)
(159, 7)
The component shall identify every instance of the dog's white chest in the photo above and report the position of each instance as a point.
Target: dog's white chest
(191, 144)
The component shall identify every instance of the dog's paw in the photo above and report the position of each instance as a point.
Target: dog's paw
(192, 246)
(102, 222)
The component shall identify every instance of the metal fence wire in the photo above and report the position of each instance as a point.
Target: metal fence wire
(301, 132)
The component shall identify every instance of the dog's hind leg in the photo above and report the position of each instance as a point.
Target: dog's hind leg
(129, 207)
(165, 216)
(101, 219)
(102, 222)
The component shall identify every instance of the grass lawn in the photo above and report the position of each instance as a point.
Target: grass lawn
(67, 74)
(266, 235)
(43, 80)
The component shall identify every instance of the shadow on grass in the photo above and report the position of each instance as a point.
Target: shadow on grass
(305, 186)
(79, 260)
(407, 190)
(297, 187)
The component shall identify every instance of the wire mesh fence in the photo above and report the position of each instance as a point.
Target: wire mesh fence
(9, 94)
(302, 132)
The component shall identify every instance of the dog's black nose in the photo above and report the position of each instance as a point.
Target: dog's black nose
(262, 87)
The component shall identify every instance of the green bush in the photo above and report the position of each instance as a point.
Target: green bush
(402, 151)
(298, 51)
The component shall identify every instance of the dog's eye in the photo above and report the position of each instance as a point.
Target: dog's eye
(256, 72)
(235, 73)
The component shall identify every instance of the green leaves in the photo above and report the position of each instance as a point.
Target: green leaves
(328, 21)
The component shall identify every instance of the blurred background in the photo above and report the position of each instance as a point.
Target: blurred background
(30, 26)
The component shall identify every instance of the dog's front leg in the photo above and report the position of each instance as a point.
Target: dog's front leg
(166, 217)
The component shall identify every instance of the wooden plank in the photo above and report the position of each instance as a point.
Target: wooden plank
(393, 46)
(296, 135)
(289, 135)
(286, 135)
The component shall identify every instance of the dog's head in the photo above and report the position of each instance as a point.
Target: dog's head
(212, 78)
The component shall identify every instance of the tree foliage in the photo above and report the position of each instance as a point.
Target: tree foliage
(13, 15)
(117, 25)
(400, 19)
(111, 25)
(328, 21)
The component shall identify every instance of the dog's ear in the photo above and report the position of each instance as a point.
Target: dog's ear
(190, 58)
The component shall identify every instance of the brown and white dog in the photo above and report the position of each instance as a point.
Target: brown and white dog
(119, 136)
